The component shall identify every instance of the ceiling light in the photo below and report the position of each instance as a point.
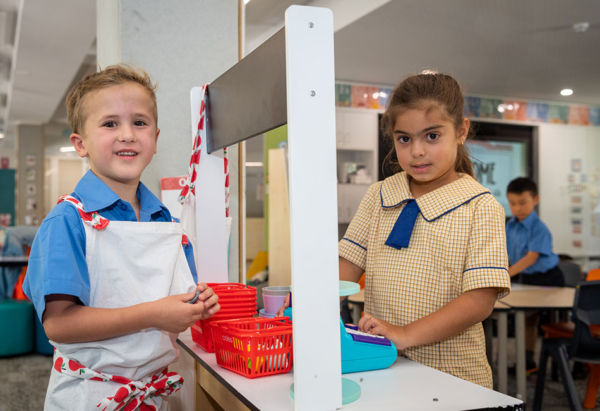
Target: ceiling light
(254, 164)
(566, 92)
(246, 2)
(1, 135)
(581, 27)
(67, 149)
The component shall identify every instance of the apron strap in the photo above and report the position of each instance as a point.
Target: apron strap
(94, 219)
(189, 187)
(132, 394)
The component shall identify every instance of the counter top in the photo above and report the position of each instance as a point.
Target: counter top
(406, 383)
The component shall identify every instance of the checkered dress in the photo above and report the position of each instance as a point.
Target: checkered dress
(457, 244)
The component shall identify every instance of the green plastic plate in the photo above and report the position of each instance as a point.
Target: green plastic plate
(348, 288)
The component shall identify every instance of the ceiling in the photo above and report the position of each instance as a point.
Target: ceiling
(510, 48)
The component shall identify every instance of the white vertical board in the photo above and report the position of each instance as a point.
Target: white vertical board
(310, 83)
(569, 187)
(210, 242)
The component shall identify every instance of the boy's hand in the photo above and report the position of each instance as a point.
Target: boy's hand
(209, 299)
(394, 333)
(175, 315)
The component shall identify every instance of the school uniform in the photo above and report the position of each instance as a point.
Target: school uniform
(531, 234)
(91, 246)
(457, 244)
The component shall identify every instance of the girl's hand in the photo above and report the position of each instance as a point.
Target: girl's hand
(286, 304)
(394, 333)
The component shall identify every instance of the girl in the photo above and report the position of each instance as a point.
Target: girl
(430, 238)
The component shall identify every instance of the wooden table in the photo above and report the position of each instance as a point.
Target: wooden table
(18, 261)
(521, 299)
(404, 385)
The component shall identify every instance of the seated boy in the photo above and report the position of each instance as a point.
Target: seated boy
(530, 256)
(107, 271)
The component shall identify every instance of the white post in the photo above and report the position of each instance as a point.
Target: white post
(210, 244)
(310, 87)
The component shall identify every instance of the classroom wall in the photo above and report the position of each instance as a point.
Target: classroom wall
(180, 47)
(569, 184)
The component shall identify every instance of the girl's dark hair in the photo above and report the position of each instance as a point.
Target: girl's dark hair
(430, 91)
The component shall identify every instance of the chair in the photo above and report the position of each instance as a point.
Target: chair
(593, 275)
(565, 329)
(571, 272)
(582, 347)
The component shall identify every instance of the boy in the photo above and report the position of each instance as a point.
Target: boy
(528, 239)
(107, 272)
(530, 255)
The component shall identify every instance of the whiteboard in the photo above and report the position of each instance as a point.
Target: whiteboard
(569, 187)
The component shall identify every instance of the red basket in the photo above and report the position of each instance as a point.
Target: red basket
(254, 347)
(236, 300)
(202, 330)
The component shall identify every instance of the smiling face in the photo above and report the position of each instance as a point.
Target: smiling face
(426, 144)
(119, 134)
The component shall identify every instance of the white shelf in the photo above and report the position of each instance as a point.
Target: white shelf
(357, 136)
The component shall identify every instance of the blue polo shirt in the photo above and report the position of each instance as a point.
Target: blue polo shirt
(531, 234)
(57, 262)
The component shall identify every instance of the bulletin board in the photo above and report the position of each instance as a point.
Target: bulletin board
(570, 187)
(7, 197)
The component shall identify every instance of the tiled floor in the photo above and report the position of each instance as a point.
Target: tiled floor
(23, 381)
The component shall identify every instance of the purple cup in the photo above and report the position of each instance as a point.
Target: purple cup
(274, 298)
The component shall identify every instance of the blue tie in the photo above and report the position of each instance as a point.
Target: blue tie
(400, 235)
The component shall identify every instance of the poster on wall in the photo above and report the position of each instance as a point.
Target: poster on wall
(496, 163)
(30, 160)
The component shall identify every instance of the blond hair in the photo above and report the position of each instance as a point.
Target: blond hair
(111, 76)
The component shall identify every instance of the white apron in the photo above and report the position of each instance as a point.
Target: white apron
(128, 263)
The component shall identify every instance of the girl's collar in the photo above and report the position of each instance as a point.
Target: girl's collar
(395, 191)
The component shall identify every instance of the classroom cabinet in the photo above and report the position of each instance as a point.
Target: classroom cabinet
(349, 196)
(356, 129)
(357, 149)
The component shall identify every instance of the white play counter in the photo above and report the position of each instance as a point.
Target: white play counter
(405, 385)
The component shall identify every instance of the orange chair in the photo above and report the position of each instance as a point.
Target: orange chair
(593, 275)
(361, 281)
(18, 293)
(565, 329)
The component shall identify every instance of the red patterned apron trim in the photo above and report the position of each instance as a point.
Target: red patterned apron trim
(190, 185)
(94, 219)
(132, 395)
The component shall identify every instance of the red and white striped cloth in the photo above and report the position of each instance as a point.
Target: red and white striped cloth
(190, 185)
(132, 395)
(93, 219)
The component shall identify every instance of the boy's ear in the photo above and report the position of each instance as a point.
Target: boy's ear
(156, 139)
(536, 199)
(78, 143)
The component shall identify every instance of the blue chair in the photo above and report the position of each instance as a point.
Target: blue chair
(16, 323)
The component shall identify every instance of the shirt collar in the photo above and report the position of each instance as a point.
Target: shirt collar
(395, 191)
(96, 195)
(528, 221)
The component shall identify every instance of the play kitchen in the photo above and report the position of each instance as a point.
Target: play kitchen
(259, 345)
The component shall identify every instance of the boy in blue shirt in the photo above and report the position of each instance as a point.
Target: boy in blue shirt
(107, 271)
(529, 241)
(530, 255)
